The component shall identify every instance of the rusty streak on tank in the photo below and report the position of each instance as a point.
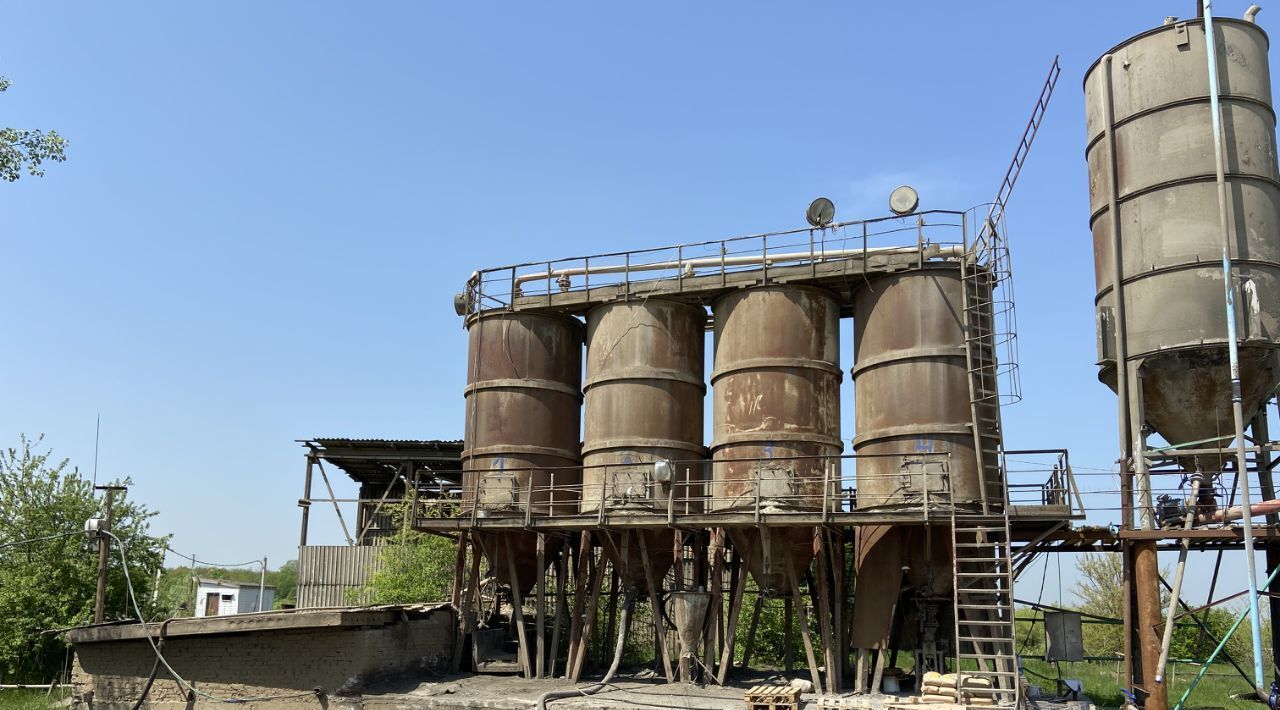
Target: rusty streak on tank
(523, 406)
(776, 411)
(912, 394)
(644, 401)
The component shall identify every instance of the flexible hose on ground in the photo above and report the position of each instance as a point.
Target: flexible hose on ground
(629, 598)
(155, 667)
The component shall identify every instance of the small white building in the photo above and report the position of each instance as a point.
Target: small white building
(217, 597)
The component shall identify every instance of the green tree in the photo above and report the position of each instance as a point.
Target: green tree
(416, 567)
(27, 149)
(285, 580)
(51, 583)
(1099, 588)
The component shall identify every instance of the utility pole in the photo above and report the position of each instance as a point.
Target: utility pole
(262, 582)
(104, 543)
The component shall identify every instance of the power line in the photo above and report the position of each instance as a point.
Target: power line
(207, 563)
(137, 609)
(39, 539)
(182, 682)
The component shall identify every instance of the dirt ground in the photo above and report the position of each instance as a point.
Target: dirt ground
(628, 691)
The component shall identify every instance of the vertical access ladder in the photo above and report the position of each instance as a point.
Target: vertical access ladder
(984, 631)
(982, 572)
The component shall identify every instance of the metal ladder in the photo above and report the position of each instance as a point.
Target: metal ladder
(982, 572)
(982, 576)
(978, 282)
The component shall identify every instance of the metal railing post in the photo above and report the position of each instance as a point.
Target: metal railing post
(924, 488)
(528, 502)
(603, 482)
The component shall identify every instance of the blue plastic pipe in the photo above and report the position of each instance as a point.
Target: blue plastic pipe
(1232, 347)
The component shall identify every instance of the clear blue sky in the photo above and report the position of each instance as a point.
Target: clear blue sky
(267, 207)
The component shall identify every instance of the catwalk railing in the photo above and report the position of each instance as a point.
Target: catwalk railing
(840, 250)
(813, 490)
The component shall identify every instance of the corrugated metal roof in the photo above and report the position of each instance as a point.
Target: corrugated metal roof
(337, 442)
(378, 460)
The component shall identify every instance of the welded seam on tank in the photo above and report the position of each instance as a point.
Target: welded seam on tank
(770, 436)
(1197, 345)
(567, 454)
(912, 429)
(522, 384)
(1190, 180)
(1177, 103)
(642, 442)
(893, 356)
(1212, 265)
(632, 374)
(777, 363)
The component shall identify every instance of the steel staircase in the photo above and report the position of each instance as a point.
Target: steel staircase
(984, 631)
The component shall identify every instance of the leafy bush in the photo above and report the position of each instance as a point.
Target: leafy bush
(51, 583)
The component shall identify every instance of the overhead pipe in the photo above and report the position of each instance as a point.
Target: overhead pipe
(1237, 407)
(688, 265)
(1266, 507)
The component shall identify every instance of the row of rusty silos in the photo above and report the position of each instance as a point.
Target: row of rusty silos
(776, 408)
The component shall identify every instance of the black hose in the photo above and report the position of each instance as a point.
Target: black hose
(629, 599)
(146, 689)
(155, 667)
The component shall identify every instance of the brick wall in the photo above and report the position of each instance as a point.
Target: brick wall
(341, 660)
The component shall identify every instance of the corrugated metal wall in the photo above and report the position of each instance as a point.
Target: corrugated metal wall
(326, 572)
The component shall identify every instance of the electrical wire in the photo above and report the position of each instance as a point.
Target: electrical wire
(39, 539)
(1044, 573)
(182, 682)
(206, 563)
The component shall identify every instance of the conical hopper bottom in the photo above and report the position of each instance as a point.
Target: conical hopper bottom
(525, 546)
(624, 552)
(889, 559)
(773, 578)
(1187, 395)
(689, 614)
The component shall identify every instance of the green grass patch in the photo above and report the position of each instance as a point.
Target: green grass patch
(31, 699)
(1102, 686)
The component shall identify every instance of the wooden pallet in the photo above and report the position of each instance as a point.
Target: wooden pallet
(772, 697)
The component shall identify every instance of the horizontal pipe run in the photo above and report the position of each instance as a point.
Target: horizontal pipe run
(747, 237)
(1266, 507)
(713, 261)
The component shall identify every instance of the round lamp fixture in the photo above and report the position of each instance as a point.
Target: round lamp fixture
(904, 200)
(821, 213)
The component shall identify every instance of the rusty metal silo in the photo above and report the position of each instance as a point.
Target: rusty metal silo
(1152, 168)
(523, 410)
(912, 395)
(642, 432)
(776, 411)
